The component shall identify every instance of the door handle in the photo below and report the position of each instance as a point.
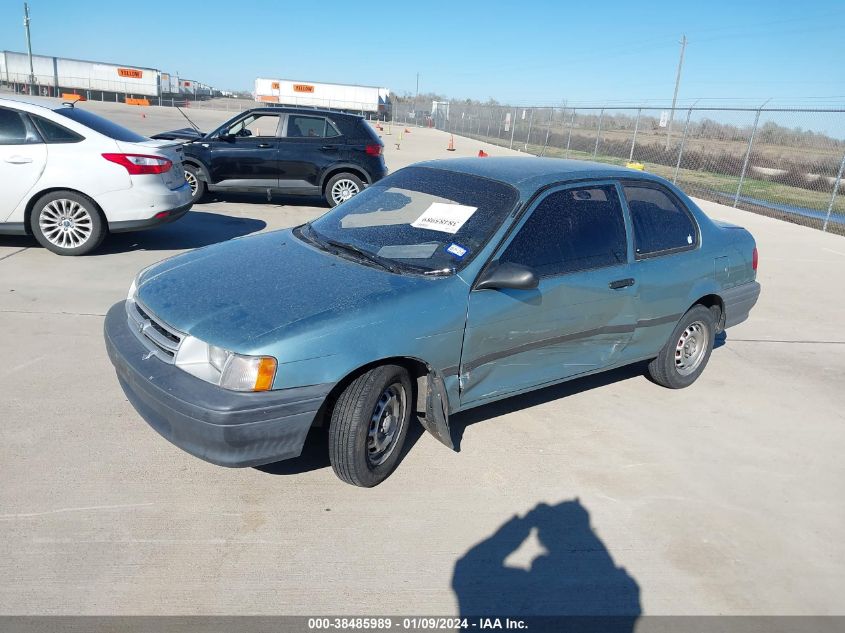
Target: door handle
(329, 148)
(621, 283)
(265, 145)
(18, 160)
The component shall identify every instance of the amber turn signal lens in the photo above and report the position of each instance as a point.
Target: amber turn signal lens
(266, 374)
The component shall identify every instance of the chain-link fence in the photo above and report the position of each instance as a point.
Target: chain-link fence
(783, 163)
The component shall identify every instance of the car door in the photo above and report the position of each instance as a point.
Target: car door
(581, 315)
(664, 234)
(309, 145)
(23, 157)
(246, 154)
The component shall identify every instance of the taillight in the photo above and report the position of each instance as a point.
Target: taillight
(137, 164)
(754, 259)
(373, 149)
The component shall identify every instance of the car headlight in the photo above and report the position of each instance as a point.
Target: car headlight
(242, 373)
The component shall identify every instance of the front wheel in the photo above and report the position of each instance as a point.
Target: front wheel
(67, 223)
(341, 187)
(687, 351)
(369, 423)
(195, 182)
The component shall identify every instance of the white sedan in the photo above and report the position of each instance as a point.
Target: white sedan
(70, 177)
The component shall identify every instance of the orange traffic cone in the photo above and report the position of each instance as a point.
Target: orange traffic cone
(451, 146)
(407, 131)
(482, 154)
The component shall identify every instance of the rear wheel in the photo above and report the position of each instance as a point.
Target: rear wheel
(687, 351)
(195, 182)
(341, 187)
(67, 223)
(369, 424)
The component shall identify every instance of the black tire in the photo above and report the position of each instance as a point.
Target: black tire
(351, 449)
(347, 181)
(197, 184)
(682, 359)
(67, 223)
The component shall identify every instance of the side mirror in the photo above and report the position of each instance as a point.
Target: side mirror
(507, 275)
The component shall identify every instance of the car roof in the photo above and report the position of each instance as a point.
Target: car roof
(23, 104)
(529, 173)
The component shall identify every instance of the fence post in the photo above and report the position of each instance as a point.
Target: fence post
(513, 128)
(747, 156)
(569, 136)
(681, 148)
(835, 191)
(598, 133)
(548, 130)
(489, 120)
(528, 136)
(636, 129)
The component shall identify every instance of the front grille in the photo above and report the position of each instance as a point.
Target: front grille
(162, 340)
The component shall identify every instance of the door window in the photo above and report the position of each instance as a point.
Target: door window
(256, 125)
(308, 127)
(660, 223)
(570, 230)
(14, 129)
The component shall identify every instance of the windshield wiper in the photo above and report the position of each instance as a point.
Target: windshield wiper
(361, 253)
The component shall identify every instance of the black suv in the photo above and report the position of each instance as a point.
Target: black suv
(286, 150)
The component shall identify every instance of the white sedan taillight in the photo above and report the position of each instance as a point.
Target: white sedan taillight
(137, 164)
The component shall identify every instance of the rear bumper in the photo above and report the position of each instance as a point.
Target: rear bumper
(147, 196)
(161, 217)
(223, 427)
(738, 302)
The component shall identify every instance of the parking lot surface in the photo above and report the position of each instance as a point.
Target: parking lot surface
(722, 498)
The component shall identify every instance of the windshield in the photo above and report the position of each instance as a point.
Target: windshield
(432, 220)
(101, 125)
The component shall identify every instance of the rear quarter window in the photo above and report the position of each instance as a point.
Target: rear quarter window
(661, 223)
(53, 132)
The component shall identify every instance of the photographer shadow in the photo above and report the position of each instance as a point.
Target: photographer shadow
(575, 575)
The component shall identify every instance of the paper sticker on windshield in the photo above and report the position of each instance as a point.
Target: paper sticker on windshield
(457, 250)
(447, 218)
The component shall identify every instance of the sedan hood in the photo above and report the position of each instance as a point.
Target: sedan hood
(262, 287)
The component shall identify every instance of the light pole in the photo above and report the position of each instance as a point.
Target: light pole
(29, 48)
(683, 43)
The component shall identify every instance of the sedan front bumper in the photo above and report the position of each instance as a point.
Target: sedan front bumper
(226, 428)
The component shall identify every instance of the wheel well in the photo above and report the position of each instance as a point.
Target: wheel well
(195, 163)
(31, 205)
(416, 368)
(345, 170)
(716, 305)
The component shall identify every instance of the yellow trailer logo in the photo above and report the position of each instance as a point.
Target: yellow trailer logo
(303, 88)
(130, 72)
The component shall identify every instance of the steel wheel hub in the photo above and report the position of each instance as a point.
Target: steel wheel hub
(691, 347)
(344, 189)
(386, 424)
(65, 223)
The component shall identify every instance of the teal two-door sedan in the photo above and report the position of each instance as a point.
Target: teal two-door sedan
(445, 286)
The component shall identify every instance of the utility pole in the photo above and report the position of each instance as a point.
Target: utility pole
(29, 48)
(683, 44)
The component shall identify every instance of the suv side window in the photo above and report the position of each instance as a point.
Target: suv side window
(15, 129)
(661, 224)
(257, 125)
(307, 127)
(571, 230)
(53, 132)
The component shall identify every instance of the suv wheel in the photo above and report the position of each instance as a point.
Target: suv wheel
(195, 182)
(341, 187)
(67, 223)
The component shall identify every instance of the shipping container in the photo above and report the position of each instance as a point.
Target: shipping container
(350, 98)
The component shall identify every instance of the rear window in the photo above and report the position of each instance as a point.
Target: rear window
(101, 125)
(53, 132)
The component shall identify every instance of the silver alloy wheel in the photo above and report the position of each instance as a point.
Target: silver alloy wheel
(691, 348)
(65, 223)
(192, 182)
(344, 189)
(386, 424)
